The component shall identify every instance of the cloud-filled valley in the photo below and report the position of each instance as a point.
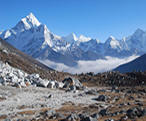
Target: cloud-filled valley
(100, 65)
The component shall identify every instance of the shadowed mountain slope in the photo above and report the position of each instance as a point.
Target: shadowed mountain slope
(139, 64)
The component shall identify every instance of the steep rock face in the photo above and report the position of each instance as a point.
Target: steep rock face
(35, 39)
(137, 41)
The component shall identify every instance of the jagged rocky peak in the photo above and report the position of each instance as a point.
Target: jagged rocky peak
(27, 22)
(31, 19)
(83, 38)
(43, 28)
(112, 42)
(73, 35)
(73, 38)
(70, 38)
(138, 33)
(110, 39)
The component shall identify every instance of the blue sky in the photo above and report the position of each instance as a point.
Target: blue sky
(94, 18)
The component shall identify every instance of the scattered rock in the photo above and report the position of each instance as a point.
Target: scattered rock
(72, 117)
(95, 115)
(51, 114)
(17, 85)
(89, 119)
(135, 112)
(91, 92)
(103, 112)
(17, 78)
(42, 83)
(50, 96)
(101, 98)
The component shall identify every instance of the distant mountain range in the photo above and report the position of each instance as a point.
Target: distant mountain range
(139, 64)
(35, 39)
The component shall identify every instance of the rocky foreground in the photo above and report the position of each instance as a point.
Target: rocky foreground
(29, 97)
(26, 96)
(90, 104)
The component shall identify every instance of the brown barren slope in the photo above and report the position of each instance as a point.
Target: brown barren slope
(17, 59)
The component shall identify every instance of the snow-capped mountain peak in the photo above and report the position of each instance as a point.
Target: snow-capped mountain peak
(74, 36)
(112, 38)
(70, 38)
(31, 19)
(26, 23)
(82, 38)
(112, 42)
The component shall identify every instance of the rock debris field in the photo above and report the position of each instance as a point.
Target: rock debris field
(12, 99)
(27, 97)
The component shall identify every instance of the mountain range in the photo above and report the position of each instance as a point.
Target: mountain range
(35, 39)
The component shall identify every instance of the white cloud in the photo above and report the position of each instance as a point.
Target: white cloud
(96, 66)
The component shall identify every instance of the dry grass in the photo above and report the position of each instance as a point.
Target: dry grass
(27, 112)
(70, 109)
(2, 98)
(2, 117)
(142, 118)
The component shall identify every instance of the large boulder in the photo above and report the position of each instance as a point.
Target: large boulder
(72, 84)
(35, 80)
(42, 83)
(53, 84)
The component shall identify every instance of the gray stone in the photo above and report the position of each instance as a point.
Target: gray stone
(89, 119)
(95, 115)
(1, 80)
(72, 117)
(103, 112)
(72, 82)
(91, 92)
(135, 112)
(16, 85)
(42, 83)
(101, 98)
(50, 113)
